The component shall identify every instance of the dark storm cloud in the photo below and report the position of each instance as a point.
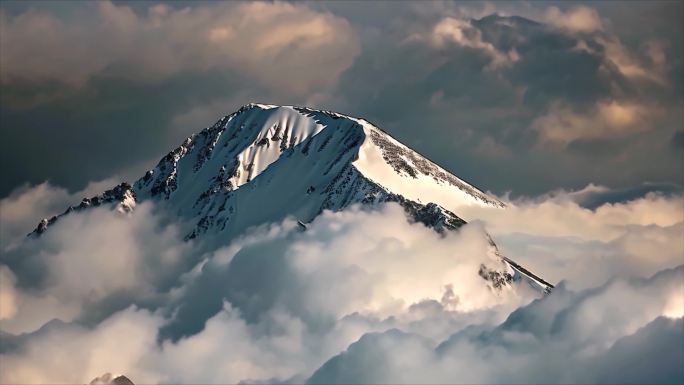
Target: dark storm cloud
(500, 85)
(549, 66)
(678, 140)
(563, 94)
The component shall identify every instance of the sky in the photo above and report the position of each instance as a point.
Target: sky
(569, 112)
(521, 97)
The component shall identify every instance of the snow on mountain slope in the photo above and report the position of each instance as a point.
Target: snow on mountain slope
(315, 160)
(264, 163)
(388, 162)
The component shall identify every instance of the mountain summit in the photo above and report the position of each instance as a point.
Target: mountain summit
(263, 163)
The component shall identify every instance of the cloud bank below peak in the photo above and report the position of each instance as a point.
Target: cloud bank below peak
(553, 340)
(404, 299)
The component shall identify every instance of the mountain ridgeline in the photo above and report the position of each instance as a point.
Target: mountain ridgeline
(264, 163)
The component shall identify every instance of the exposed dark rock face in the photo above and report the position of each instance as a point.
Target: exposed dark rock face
(432, 215)
(121, 197)
(497, 279)
(395, 154)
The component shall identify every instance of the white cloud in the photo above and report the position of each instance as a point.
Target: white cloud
(8, 295)
(116, 345)
(457, 31)
(386, 267)
(404, 302)
(647, 63)
(565, 338)
(562, 239)
(608, 119)
(383, 282)
(280, 45)
(651, 65)
(86, 258)
(541, 215)
(21, 211)
(559, 339)
(576, 19)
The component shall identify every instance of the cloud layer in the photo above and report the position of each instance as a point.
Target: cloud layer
(403, 305)
(565, 338)
(594, 91)
(310, 48)
(617, 239)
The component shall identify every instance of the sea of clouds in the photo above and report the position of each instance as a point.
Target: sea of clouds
(361, 296)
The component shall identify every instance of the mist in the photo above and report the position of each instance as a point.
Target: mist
(124, 294)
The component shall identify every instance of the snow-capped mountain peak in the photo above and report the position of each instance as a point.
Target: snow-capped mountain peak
(264, 163)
